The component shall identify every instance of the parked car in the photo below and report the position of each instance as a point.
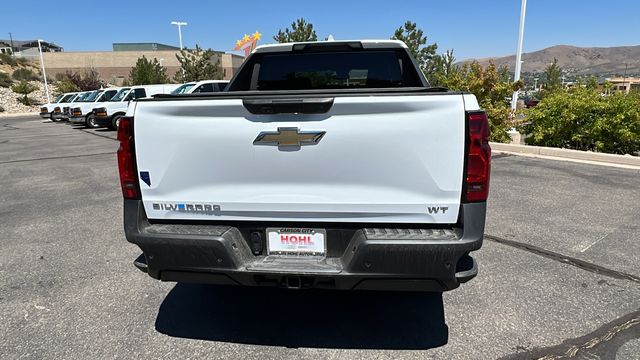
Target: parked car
(110, 113)
(61, 110)
(47, 110)
(324, 164)
(201, 87)
(82, 112)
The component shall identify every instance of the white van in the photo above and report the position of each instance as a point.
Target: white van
(109, 114)
(46, 110)
(82, 111)
(61, 110)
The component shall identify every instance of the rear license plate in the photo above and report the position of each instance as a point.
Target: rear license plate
(296, 241)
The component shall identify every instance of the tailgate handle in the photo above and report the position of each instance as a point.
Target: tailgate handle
(288, 106)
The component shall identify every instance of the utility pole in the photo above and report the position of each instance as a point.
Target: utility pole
(523, 10)
(44, 75)
(179, 24)
(11, 39)
(624, 79)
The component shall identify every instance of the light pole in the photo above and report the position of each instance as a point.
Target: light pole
(179, 24)
(523, 10)
(44, 74)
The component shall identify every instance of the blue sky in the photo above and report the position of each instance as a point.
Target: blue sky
(474, 28)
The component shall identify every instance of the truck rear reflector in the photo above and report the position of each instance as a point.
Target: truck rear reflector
(126, 161)
(478, 166)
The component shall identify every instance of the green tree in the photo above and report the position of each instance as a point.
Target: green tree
(592, 82)
(553, 77)
(300, 31)
(504, 75)
(198, 64)
(148, 72)
(442, 67)
(493, 94)
(24, 88)
(424, 54)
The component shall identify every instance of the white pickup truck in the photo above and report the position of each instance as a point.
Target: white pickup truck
(323, 165)
(201, 87)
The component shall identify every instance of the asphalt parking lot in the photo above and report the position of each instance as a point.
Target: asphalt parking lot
(559, 275)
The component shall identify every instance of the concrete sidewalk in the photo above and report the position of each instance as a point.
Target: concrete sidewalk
(627, 161)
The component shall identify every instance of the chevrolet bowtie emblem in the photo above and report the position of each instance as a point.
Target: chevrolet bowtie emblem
(288, 136)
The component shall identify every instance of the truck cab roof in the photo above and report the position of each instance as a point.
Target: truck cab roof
(364, 44)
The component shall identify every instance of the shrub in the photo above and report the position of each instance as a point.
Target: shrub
(85, 81)
(583, 119)
(28, 101)
(24, 74)
(5, 80)
(24, 88)
(8, 60)
(66, 86)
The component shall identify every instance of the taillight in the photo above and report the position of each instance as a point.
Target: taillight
(77, 112)
(57, 109)
(126, 160)
(476, 186)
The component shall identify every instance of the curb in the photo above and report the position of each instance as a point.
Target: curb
(567, 154)
(3, 115)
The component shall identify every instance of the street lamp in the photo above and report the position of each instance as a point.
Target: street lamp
(44, 75)
(523, 10)
(179, 24)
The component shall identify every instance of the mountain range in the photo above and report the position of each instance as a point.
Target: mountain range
(602, 61)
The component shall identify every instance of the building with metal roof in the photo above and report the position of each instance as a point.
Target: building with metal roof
(142, 47)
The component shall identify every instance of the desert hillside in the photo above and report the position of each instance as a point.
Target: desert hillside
(577, 60)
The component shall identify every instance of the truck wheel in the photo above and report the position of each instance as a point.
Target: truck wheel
(115, 121)
(91, 122)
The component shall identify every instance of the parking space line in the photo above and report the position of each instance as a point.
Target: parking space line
(56, 157)
(98, 135)
(584, 265)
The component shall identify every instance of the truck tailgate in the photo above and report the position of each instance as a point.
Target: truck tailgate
(381, 159)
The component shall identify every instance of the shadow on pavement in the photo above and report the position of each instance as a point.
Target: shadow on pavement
(307, 318)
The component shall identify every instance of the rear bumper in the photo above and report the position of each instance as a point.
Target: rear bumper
(364, 258)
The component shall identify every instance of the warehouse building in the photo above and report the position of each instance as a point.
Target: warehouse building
(114, 66)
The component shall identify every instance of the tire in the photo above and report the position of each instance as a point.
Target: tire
(91, 121)
(115, 121)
